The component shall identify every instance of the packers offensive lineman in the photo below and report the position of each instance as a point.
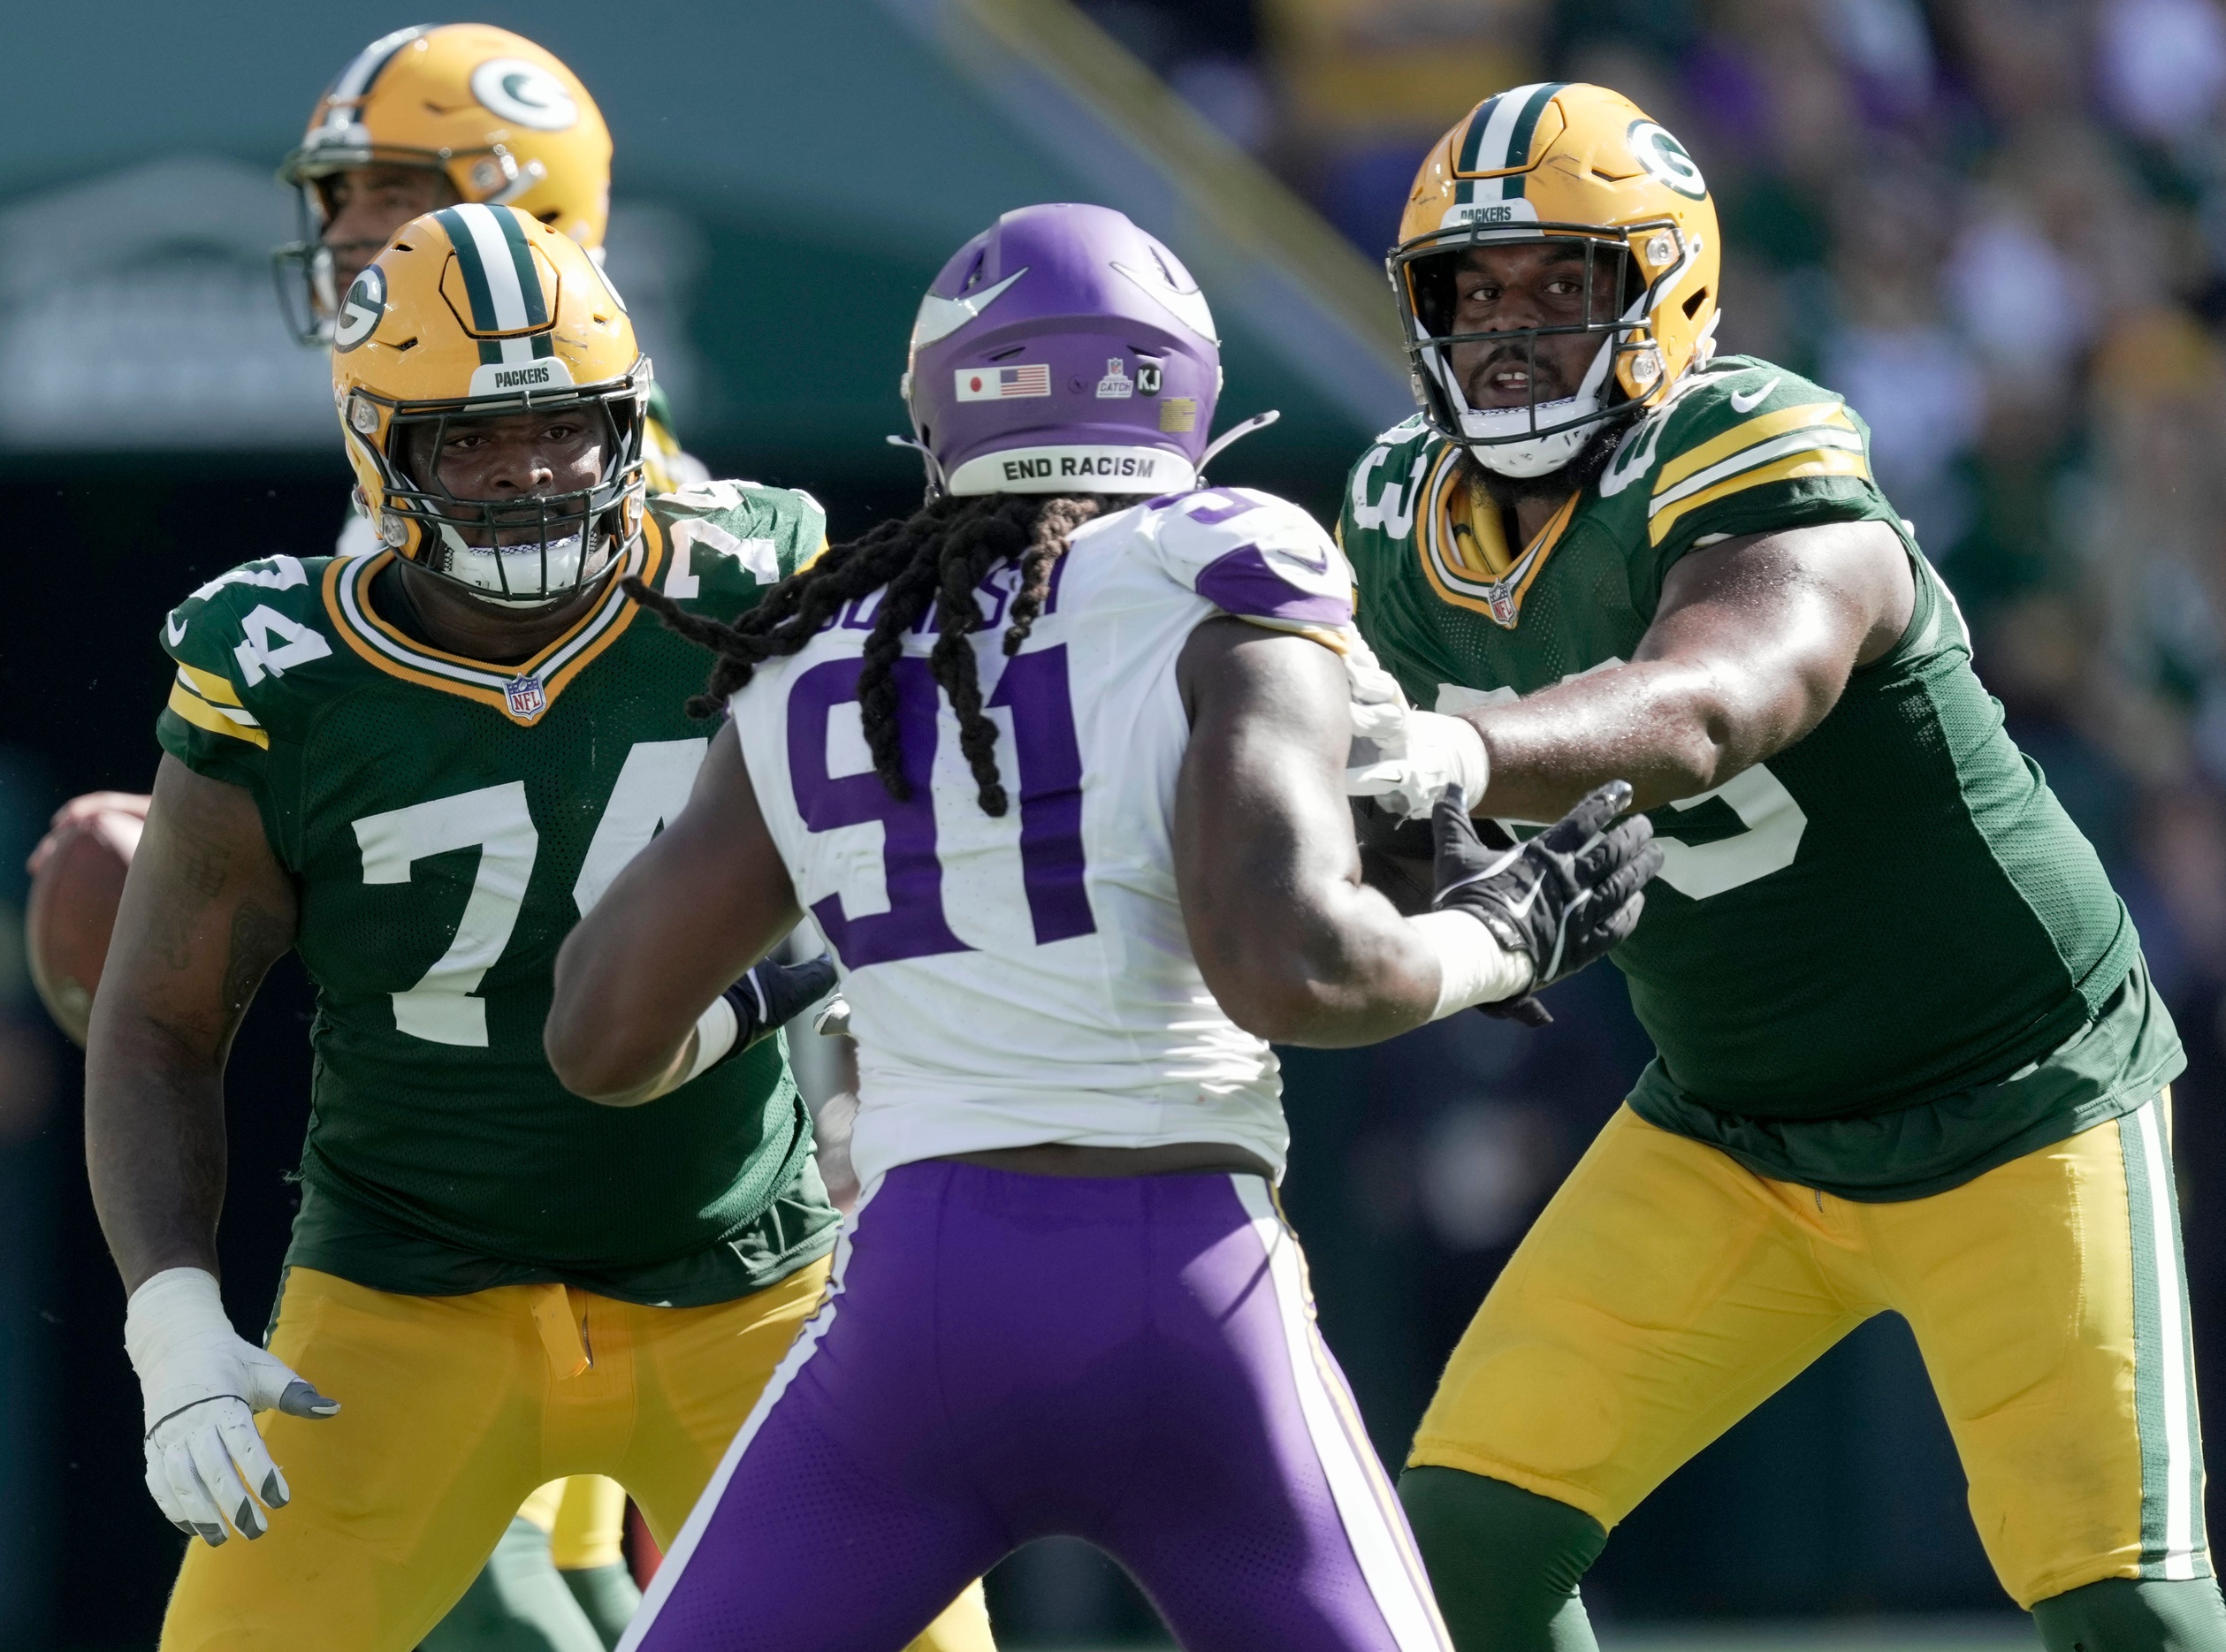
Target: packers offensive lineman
(1910, 1058)
(419, 767)
(422, 118)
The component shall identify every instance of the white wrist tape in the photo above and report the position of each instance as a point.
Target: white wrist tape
(716, 1031)
(168, 1309)
(1473, 967)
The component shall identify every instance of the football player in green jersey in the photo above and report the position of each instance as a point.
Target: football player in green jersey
(421, 118)
(418, 768)
(1908, 1055)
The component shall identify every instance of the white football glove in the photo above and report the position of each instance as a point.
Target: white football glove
(1403, 757)
(203, 1384)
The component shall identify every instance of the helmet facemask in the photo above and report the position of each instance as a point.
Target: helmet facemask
(527, 551)
(1541, 437)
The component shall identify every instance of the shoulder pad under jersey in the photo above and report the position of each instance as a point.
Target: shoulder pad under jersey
(1254, 556)
(1385, 481)
(235, 640)
(1739, 447)
(725, 540)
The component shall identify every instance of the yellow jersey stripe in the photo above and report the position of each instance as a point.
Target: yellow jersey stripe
(1802, 441)
(1746, 435)
(209, 685)
(1814, 462)
(236, 711)
(201, 714)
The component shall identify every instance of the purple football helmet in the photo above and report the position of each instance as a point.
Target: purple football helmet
(1063, 351)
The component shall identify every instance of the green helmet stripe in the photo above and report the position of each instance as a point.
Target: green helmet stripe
(474, 268)
(1477, 122)
(1519, 141)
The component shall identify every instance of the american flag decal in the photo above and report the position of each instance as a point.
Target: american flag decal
(1002, 383)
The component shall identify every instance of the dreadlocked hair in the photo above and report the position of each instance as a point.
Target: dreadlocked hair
(938, 555)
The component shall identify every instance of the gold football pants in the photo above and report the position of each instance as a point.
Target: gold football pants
(1665, 1292)
(453, 1409)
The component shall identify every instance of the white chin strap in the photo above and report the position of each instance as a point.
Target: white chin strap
(1561, 427)
(517, 577)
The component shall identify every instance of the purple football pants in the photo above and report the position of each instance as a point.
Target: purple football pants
(1003, 1356)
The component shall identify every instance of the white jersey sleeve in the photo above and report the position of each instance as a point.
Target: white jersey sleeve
(1027, 979)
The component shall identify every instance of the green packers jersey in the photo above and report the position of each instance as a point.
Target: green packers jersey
(1883, 960)
(446, 822)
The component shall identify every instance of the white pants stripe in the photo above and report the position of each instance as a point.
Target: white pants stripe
(1366, 1505)
(799, 1354)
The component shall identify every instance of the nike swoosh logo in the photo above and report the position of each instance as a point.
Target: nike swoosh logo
(173, 632)
(1744, 405)
(939, 317)
(1314, 565)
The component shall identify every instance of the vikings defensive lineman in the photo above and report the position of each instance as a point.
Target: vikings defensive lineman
(1078, 848)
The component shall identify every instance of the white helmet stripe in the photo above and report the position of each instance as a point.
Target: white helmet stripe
(1499, 130)
(356, 78)
(506, 293)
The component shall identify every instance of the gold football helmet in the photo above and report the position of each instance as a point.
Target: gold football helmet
(501, 119)
(1542, 162)
(474, 312)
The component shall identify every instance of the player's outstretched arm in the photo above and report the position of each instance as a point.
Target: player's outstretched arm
(656, 984)
(1294, 945)
(1750, 649)
(206, 911)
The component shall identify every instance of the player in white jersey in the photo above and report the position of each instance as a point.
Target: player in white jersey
(1059, 772)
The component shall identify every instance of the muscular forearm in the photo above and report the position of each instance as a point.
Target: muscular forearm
(205, 912)
(1750, 649)
(155, 1150)
(1672, 729)
(1336, 967)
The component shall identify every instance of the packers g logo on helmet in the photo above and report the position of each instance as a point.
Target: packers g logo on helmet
(360, 309)
(524, 93)
(1665, 159)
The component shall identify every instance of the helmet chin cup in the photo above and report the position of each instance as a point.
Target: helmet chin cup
(530, 574)
(1533, 441)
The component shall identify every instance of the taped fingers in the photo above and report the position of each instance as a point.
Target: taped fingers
(159, 1489)
(220, 1475)
(189, 1496)
(244, 1441)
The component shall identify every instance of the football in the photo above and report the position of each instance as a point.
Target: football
(77, 881)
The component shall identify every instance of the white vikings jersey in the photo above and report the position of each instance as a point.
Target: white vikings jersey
(1026, 978)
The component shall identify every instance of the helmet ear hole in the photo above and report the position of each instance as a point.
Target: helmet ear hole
(1692, 305)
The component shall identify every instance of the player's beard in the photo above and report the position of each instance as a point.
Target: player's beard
(1580, 473)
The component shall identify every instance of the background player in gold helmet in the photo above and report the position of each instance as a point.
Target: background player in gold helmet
(425, 117)
(1910, 1057)
(422, 118)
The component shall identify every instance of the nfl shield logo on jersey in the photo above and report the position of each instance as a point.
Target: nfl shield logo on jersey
(526, 697)
(1503, 604)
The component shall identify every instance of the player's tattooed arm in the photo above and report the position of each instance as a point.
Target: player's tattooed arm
(206, 911)
(1750, 647)
(708, 898)
(1294, 945)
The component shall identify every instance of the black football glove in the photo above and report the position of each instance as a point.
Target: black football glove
(774, 993)
(1397, 853)
(1563, 899)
